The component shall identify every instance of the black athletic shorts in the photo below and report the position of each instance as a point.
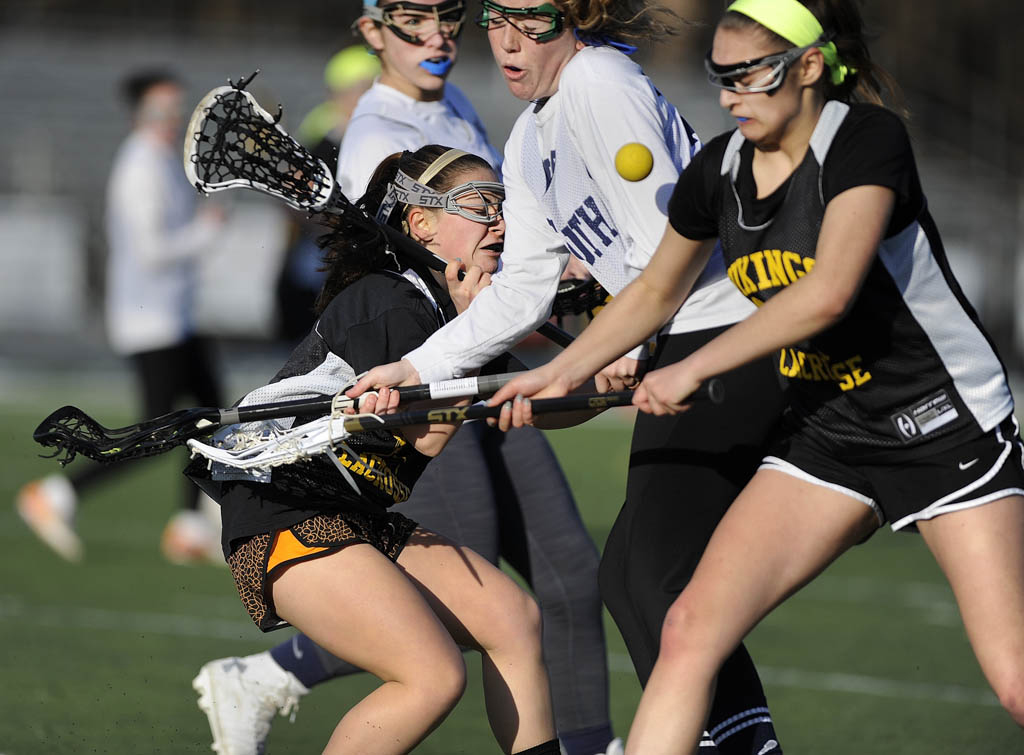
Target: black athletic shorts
(979, 471)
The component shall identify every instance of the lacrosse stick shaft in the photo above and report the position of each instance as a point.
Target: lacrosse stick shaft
(458, 388)
(712, 390)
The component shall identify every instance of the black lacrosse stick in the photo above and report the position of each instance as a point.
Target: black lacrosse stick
(578, 296)
(70, 431)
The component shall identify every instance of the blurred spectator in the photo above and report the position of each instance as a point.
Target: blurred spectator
(155, 236)
(348, 74)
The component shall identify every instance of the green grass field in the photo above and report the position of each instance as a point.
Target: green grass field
(98, 657)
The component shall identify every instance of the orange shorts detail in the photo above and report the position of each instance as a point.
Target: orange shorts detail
(285, 547)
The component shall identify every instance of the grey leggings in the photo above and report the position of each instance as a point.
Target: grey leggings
(503, 494)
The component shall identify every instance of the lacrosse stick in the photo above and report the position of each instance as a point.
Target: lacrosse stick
(233, 142)
(71, 431)
(270, 445)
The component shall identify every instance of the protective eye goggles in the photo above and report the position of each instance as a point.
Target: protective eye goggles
(540, 23)
(416, 23)
(479, 201)
(751, 76)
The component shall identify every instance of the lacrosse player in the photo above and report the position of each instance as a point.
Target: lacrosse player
(156, 235)
(317, 545)
(514, 502)
(570, 61)
(900, 407)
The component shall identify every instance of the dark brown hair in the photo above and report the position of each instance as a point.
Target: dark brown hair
(626, 20)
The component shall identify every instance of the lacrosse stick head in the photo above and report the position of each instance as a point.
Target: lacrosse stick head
(69, 431)
(233, 142)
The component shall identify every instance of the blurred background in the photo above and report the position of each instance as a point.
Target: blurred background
(98, 657)
(61, 122)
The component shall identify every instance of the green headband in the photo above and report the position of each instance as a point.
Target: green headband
(791, 20)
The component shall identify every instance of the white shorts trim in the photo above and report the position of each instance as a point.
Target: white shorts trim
(949, 503)
(781, 465)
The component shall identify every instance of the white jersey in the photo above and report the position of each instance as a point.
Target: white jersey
(386, 121)
(564, 196)
(155, 241)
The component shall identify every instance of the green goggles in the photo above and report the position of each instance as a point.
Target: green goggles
(540, 23)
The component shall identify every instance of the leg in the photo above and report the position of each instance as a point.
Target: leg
(484, 609)
(684, 473)
(394, 634)
(453, 497)
(981, 551)
(544, 539)
(778, 535)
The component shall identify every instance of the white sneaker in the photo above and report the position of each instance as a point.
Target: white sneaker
(240, 697)
(191, 537)
(616, 747)
(48, 507)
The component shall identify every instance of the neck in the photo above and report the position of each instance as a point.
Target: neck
(406, 87)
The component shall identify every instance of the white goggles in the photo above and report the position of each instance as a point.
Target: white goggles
(751, 76)
(479, 201)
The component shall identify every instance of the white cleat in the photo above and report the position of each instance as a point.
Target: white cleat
(616, 747)
(48, 508)
(191, 537)
(241, 696)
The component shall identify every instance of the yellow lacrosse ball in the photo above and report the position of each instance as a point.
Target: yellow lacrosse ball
(634, 161)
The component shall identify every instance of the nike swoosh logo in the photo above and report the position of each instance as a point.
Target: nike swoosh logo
(298, 651)
(968, 465)
(771, 744)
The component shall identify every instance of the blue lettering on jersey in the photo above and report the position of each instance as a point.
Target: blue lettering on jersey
(549, 170)
(587, 233)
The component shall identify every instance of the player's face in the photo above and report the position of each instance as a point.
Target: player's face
(162, 112)
(760, 116)
(472, 242)
(531, 68)
(418, 70)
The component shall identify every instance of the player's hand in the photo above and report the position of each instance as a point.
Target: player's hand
(664, 391)
(464, 291)
(371, 401)
(542, 382)
(386, 376)
(623, 374)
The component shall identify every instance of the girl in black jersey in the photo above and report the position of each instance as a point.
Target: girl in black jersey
(900, 409)
(364, 582)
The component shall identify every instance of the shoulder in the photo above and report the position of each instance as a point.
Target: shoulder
(868, 125)
(597, 67)
(458, 99)
(712, 153)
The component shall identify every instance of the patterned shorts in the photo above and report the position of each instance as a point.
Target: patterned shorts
(254, 563)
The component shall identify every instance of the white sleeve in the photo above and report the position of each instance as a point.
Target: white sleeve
(610, 103)
(518, 299)
(368, 139)
(139, 200)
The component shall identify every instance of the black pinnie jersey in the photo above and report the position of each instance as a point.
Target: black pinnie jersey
(909, 366)
(375, 320)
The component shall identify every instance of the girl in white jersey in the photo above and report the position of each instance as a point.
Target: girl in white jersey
(513, 503)
(564, 198)
(900, 408)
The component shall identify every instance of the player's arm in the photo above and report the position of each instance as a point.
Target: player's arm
(631, 317)
(853, 228)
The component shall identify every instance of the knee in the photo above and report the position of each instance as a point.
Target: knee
(515, 623)
(1010, 691)
(683, 632)
(443, 682)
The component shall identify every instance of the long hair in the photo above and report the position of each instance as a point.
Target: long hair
(843, 25)
(627, 20)
(353, 248)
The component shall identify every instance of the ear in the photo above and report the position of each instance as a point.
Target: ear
(422, 225)
(372, 33)
(811, 67)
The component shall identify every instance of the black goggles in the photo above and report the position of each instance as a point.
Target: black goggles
(764, 74)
